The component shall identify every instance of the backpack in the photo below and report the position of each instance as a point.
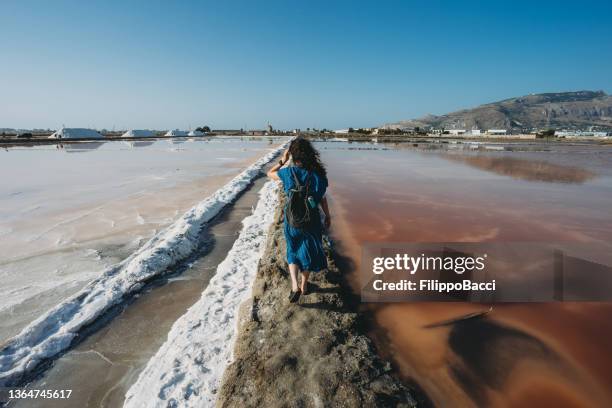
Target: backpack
(298, 211)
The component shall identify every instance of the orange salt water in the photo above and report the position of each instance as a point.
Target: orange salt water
(536, 354)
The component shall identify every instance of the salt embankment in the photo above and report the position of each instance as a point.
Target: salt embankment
(187, 368)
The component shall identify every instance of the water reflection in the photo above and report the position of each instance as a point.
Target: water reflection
(80, 147)
(522, 169)
(138, 143)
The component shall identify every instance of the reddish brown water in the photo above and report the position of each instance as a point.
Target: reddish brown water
(537, 354)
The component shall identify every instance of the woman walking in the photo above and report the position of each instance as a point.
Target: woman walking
(307, 176)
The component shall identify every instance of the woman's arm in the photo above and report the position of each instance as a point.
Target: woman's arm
(273, 172)
(325, 208)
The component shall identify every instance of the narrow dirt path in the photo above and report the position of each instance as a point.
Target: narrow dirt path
(311, 354)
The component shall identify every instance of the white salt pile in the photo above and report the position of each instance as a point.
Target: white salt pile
(76, 133)
(176, 133)
(138, 133)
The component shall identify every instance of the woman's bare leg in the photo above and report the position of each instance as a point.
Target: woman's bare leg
(293, 271)
(305, 275)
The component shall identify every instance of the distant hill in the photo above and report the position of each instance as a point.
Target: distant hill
(573, 110)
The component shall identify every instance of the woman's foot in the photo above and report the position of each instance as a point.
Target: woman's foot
(294, 296)
(304, 282)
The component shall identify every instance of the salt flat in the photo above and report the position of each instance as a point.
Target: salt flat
(69, 211)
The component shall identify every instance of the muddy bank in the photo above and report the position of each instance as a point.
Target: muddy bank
(312, 354)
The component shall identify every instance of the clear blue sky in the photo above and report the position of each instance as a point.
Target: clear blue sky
(302, 64)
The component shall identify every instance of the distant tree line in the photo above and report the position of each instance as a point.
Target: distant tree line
(546, 133)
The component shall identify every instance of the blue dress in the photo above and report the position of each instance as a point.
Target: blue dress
(305, 246)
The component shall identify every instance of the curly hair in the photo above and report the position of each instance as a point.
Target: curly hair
(305, 154)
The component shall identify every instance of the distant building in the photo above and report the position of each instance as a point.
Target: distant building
(579, 133)
(341, 131)
(367, 130)
(475, 132)
(456, 132)
(227, 131)
(256, 132)
(497, 131)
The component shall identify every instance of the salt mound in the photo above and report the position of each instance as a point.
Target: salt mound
(176, 132)
(138, 133)
(195, 133)
(76, 133)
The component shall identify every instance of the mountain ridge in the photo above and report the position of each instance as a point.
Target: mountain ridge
(559, 110)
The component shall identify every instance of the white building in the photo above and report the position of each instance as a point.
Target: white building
(497, 131)
(139, 133)
(475, 132)
(176, 133)
(76, 133)
(456, 132)
(579, 133)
